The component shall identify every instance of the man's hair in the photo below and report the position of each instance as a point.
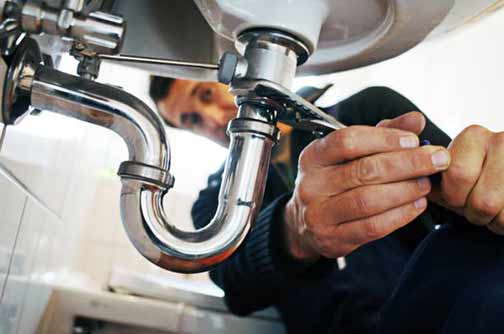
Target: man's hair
(159, 88)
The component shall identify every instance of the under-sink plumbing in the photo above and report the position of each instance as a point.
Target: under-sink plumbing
(260, 79)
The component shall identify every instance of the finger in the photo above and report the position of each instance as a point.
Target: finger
(468, 153)
(413, 122)
(486, 200)
(381, 168)
(497, 224)
(368, 201)
(376, 227)
(355, 142)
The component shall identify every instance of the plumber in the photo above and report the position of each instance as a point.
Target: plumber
(364, 230)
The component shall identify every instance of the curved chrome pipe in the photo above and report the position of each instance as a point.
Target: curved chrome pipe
(142, 212)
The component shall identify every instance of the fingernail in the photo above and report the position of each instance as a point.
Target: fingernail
(440, 159)
(423, 183)
(408, 141)
(421, 203)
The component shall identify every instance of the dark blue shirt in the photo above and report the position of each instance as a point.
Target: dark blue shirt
(320, 298)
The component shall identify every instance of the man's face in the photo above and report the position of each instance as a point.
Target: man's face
(202, 107)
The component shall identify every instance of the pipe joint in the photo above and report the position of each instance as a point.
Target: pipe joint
(147, 174)
(254, 126)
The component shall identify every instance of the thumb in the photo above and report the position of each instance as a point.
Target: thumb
(413, 121)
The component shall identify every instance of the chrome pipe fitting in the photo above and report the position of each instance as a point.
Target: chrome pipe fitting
(100, 32)
(146, 177)
(272, 55)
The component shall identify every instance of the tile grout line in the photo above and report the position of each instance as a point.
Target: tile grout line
(14, 248)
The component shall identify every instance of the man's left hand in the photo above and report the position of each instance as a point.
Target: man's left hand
(473, 185)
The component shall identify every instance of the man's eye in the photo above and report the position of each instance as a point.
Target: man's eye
(205, 95)
(190, 120)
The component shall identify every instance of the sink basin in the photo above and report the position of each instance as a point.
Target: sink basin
(345, 34)
(341, 34)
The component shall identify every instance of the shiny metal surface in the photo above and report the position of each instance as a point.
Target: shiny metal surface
(147, 174)
(244, 125)
(10, 32)
(74, 5)
(240, 198)
(266, 38)
(292, 108)
(18, 80)
(100, 32)
(153, 235)
(107, 106)
(230, 66)
(167, 67)
(272, 55)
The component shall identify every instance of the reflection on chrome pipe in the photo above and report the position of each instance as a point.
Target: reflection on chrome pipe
(146, 176)
(239, 199)
(104, 105)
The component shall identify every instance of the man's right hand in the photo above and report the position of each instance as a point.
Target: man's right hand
(357, 185)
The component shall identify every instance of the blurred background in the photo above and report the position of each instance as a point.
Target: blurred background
(59, 179)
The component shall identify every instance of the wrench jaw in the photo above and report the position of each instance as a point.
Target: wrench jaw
(292, 109)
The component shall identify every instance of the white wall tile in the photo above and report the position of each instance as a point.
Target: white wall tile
(12, 202)
(25, 290)
(39, 243)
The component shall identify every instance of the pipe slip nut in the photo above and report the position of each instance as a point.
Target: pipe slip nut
(147, 174)
(251, 125)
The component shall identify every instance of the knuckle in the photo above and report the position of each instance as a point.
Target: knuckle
(461, 175)
(475, 130)
(303, 193)
(371, 229)
(305, 159)
(485, 206)
(419, 161)
(346, 140)
(367, 170)
(310, 217)
(362, 202)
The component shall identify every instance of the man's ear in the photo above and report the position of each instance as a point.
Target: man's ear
(160, 107)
